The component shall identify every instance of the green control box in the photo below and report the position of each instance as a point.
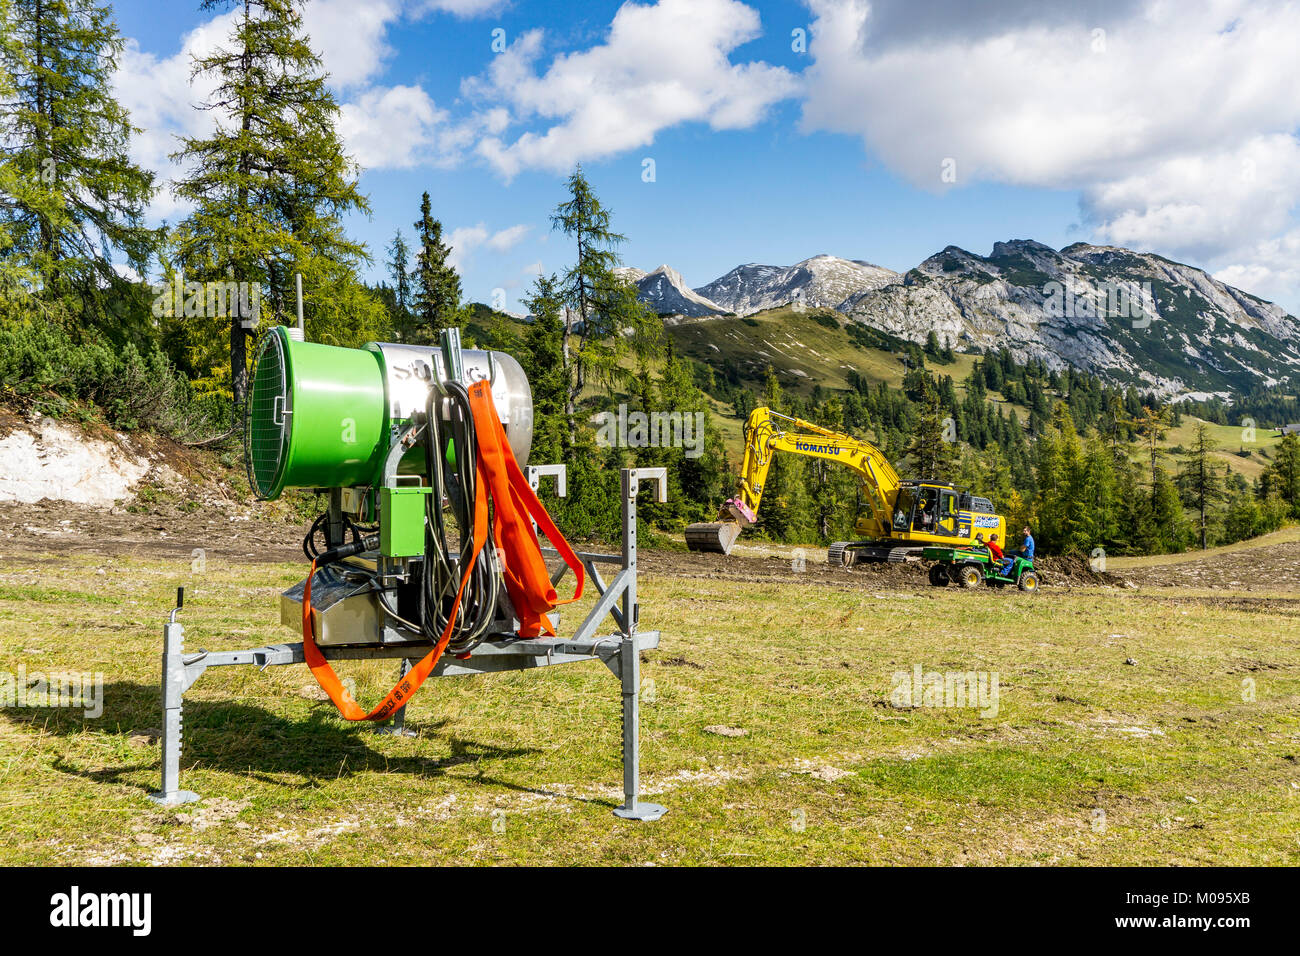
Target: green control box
(401, 521)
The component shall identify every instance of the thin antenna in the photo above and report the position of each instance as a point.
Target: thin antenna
(298, 281)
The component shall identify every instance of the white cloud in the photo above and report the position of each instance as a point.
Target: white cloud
(160, 97)
(1151, 109)
(508, 238)
(1202, 203)
(465, 239)
(659, 66)
(1270, 268)
(465, 9)
(395, 126)
(391, 128)
(351, 37)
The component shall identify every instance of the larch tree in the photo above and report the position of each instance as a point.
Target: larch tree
(73, 203)
(270, 185)
(603, 320)
(1201, 479)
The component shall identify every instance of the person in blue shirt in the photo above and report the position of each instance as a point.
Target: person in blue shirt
(1026, 550)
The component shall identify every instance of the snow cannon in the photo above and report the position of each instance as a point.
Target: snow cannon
(428, 549)
(321, 416)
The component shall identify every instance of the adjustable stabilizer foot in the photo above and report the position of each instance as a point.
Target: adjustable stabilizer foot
(640, 811)
(389, 730)
(173, 799)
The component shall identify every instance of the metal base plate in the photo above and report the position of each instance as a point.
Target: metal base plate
(175, 798)
(642, 811)
(390, 731)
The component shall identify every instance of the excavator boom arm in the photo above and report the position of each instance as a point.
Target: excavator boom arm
(768, 432)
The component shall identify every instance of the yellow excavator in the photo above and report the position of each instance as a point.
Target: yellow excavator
(901, 518)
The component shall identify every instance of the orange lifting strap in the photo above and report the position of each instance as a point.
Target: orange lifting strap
(514, 508)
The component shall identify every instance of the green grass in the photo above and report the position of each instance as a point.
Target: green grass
(802, 350)
(523, 768)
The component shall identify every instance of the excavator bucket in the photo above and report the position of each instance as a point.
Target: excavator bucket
(716, 537)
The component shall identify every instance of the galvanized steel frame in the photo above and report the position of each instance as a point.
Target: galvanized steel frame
(620, 651)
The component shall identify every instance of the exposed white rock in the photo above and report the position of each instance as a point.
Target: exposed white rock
(53, 460)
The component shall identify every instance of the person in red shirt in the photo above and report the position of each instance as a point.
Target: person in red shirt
(995, 549)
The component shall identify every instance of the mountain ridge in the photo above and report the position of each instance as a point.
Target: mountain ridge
(1130, 317)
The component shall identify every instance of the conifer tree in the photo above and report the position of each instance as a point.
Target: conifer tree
(437, 286)
(72, 199)
(600, 309)
(1152, 424)
(270, 185)
(14, 276)
(1168, 521)
(542, 361)
(1201, 479)
(930, 450)
(399, 267)
(1282, 478)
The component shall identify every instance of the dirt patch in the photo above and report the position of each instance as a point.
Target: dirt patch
(198, 517)
(1075, 571)
(1273, 568)
(164, 530)
(779, 569)
(1062, 572)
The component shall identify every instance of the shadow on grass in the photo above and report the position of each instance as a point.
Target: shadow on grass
(254, 742)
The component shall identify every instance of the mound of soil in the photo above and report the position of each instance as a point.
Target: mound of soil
(1074, 570)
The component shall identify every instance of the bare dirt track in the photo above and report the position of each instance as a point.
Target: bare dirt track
(244, 534)
(248, 534)
(1272, 568)
(1057, 572)
(233, 532)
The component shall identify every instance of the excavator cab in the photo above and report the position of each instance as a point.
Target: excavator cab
(948, 513)
(904, 511)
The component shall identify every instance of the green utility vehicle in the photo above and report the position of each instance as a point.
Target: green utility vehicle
(971, 566)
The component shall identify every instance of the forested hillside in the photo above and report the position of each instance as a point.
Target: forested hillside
(107, 317)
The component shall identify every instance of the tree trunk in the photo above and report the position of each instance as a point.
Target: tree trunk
(569, 393)
(43, 150)
(238, 335)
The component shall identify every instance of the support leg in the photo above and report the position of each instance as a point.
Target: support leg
(398, 727)
(630, 676)
(629, 659)
(173, 693)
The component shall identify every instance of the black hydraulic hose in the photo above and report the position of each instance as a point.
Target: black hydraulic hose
(309, 542)
(442, 574)
(346, 550)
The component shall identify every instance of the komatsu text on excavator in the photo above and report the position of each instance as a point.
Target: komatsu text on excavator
(902, 516)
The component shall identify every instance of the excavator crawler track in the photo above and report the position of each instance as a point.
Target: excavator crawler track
(845, 554)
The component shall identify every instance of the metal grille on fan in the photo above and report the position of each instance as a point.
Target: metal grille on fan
(266, 429)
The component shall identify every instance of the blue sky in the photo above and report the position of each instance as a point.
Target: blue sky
(1116, 122)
